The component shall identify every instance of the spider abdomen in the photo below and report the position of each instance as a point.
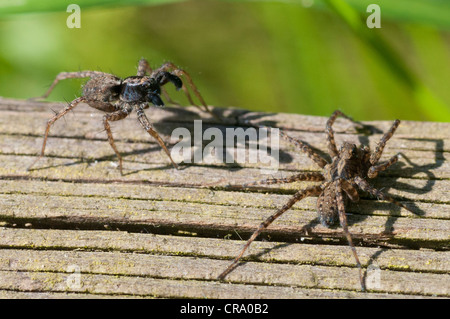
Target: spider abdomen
(100, 91)
(327, 207)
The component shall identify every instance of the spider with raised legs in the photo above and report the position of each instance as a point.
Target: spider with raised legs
(340, 179)
(119, 97)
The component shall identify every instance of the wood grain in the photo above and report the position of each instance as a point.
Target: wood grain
(166, 233)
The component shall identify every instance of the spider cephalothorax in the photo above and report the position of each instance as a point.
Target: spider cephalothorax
(144, 89)
(118, 98)
(340, 179)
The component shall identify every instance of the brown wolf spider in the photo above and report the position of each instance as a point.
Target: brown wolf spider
(119, 97)
(340, 179)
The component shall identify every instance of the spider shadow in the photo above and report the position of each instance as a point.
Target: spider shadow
(227, 154)
(284, 157)
(111, 157)
(180, 112)
(176, 112)
(414, 169)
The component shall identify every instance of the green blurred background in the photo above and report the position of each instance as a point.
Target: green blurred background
(305, 56)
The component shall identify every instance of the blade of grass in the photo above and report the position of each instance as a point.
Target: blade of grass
(435, 13)
(430, 105)
(17, 7)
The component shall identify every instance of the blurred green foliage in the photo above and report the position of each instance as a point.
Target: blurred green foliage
(305, 56)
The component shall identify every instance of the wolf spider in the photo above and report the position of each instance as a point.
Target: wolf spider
(119, 97)
(340, 179)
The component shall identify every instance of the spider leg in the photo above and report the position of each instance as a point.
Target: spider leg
(311, 191)
(309, 176)
(115, 116)
(169, 66)
(53, 120)
(149, 128)
(365, 186)
(315, 157)
(374, 158)
(71, 75)
(332, 149)
(144, 67)
(375, 169)
(351, 191)
(343, 221)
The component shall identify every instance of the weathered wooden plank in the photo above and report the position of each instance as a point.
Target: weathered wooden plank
(290, 122)
(147, 191)
(200, 217)
(78, 191)
(219, 248)
(415, 163)
(114, 273)
(89, 126)
(421, 191)
(125, 286)
(193, 268)
(15, 294)
(425, 156)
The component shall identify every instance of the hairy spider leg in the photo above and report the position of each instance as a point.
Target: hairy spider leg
(305, 148)
(314, 156)
(50, 122)
(310, 191)
(170, 67)
(343, 222)
(365, 186)
(309, 176)
(71, 75)
(375, 169)
(332, 149)
(112, 117)
(382, 143)
(149, 128)
(143, 68)
(351, 191)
